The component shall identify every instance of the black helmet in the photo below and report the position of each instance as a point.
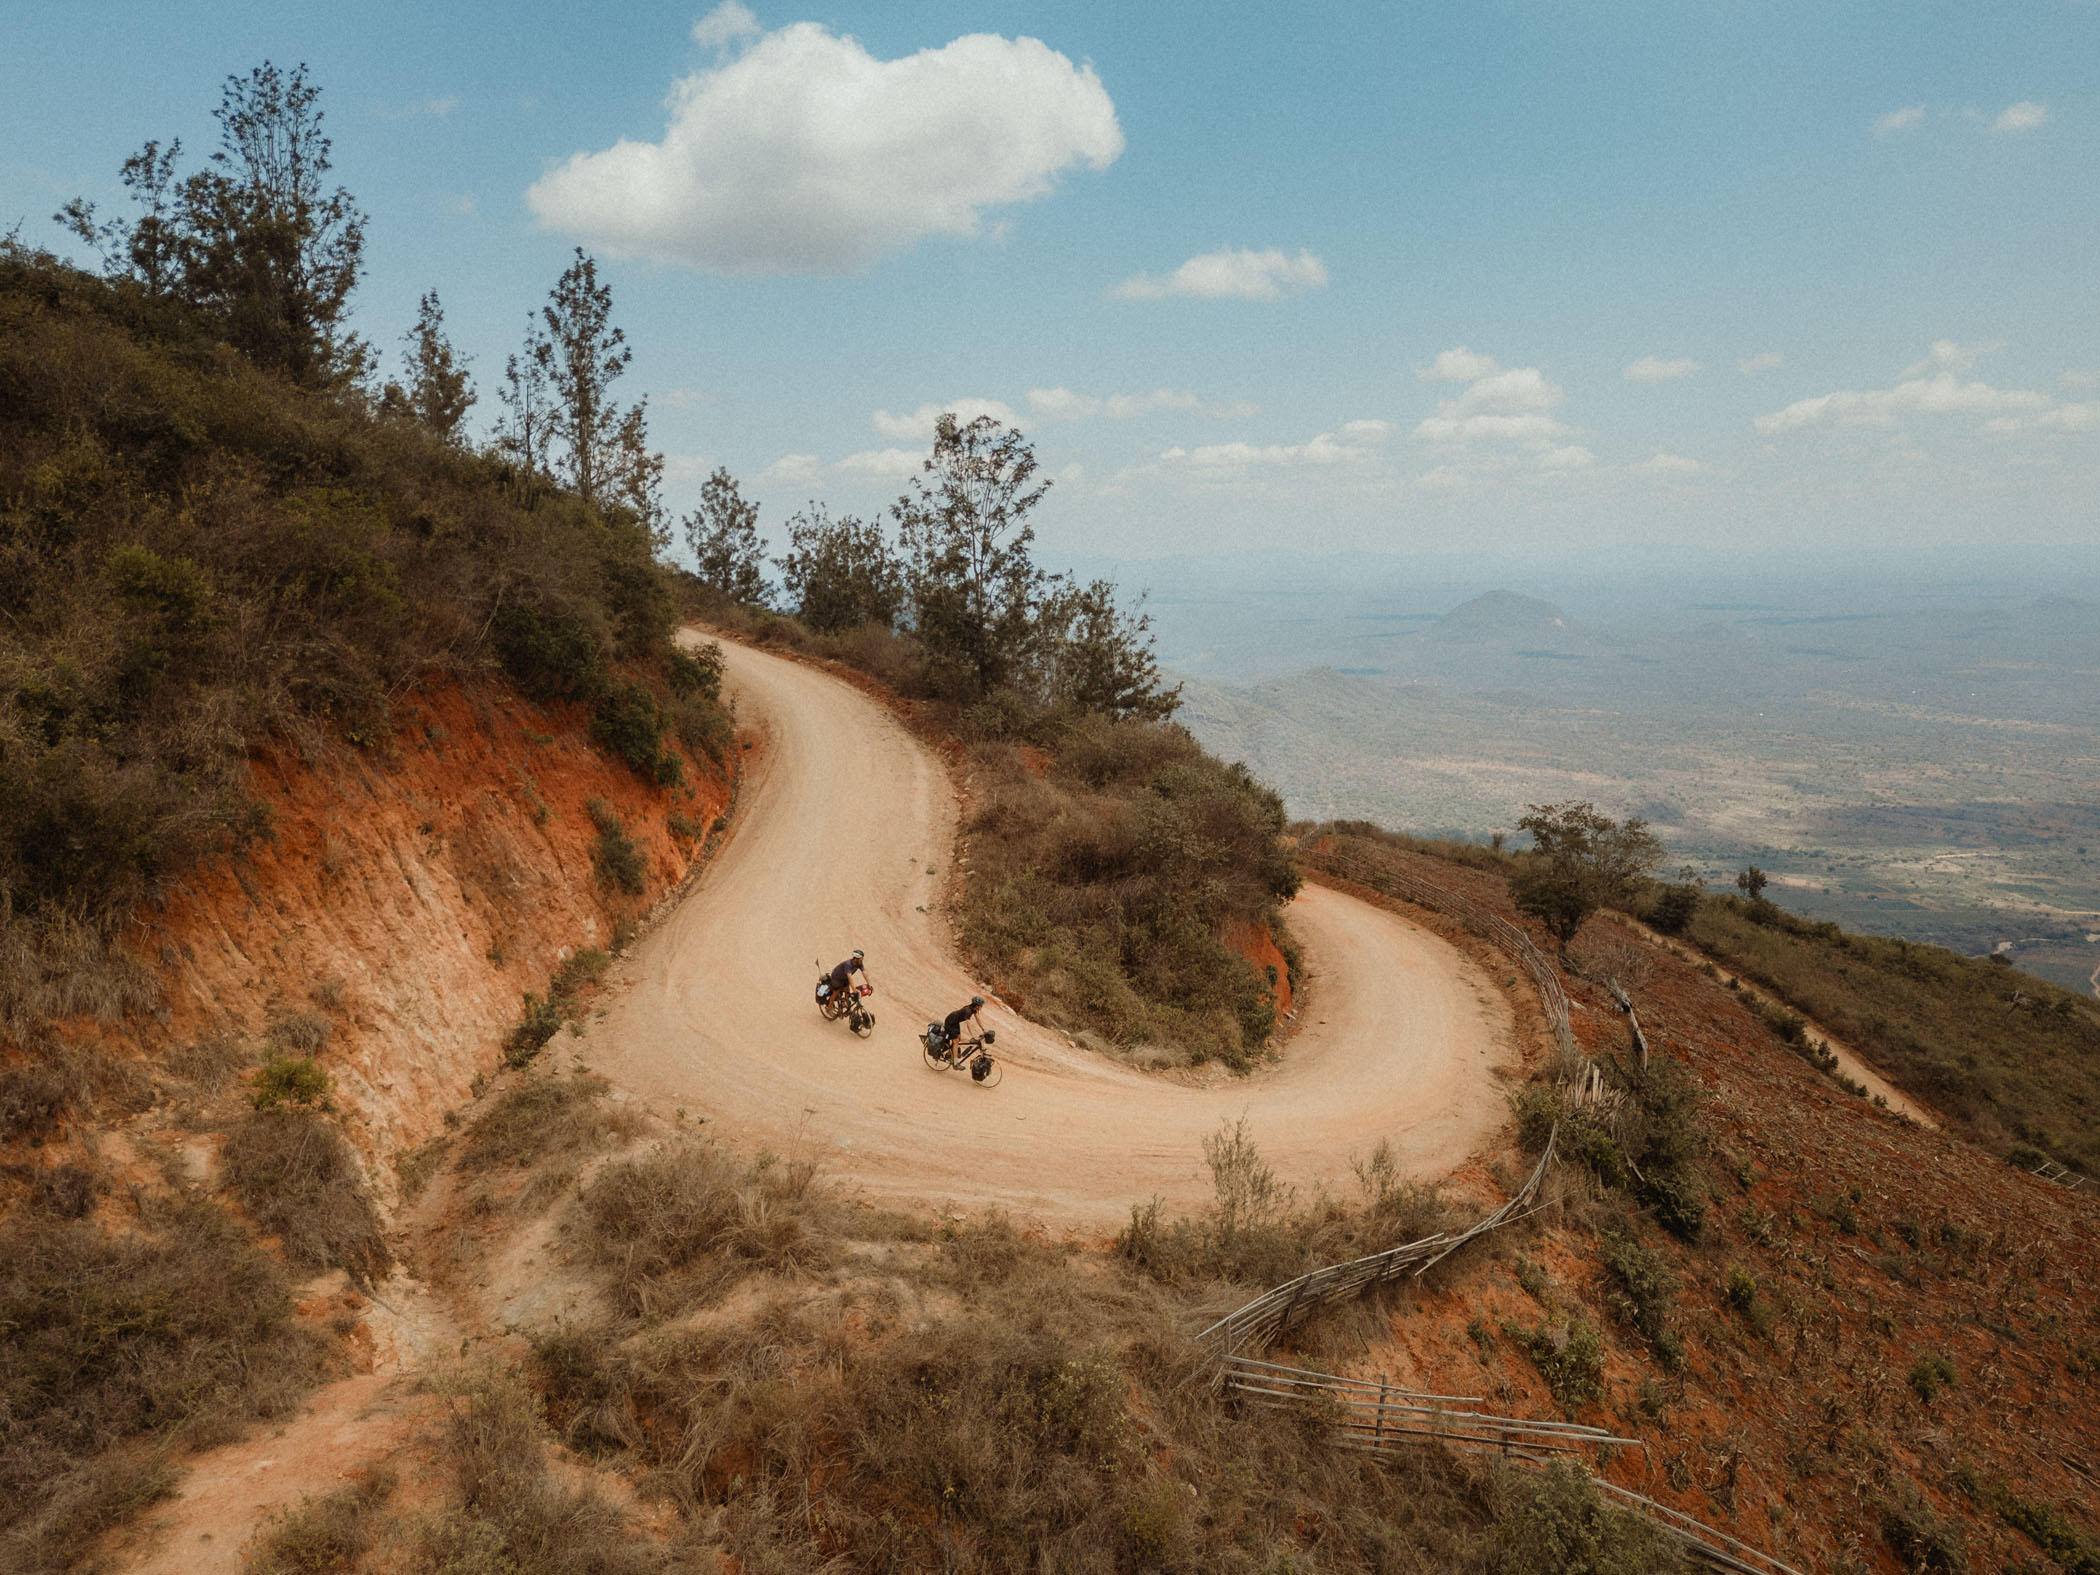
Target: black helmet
(858, 954)
(977, 1000)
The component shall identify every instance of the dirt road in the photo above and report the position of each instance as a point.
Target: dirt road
(842, 840)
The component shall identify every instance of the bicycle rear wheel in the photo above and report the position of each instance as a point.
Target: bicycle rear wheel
(934, 1058)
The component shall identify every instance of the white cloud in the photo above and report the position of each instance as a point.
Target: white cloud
(1062, 404)
(919, 424)
(1230, 276)
(728, 23)
(2023, 116)
(794, 470)
(1941, 394)
(2075, 378)
(806, 154)
(1948, 356)
(463, 204)
(681, 397)
(1899, 119)
(1763, 361)
(687, 467)
(1457, 366)
(2064, 418)
(1445, 478)
(1572, 457)
(1499, 404)
(883, 463)
(1652, 369)
(1661, 464)
(1354, 445)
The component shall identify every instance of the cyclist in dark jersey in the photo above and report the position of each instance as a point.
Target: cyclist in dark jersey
(952, 1024)
(840, 979)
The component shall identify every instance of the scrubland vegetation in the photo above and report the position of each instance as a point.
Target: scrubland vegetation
(2011, 1060)
(1108, 852)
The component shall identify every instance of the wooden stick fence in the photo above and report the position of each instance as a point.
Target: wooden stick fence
(1379, 1417)
(1271, 1313)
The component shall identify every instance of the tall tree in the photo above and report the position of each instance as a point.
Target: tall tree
(1581, 860)
(523, 432)
(583, 354)
(438, 392)
(840, 573)
(1099, 658)
(723, 533)
(963, 527)
(266, 243)
(149, 248)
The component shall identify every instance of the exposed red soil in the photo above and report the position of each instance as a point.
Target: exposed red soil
(1258, 946)
(1873, 1242)
(413, 897)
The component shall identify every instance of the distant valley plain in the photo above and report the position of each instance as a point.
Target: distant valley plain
(1911, 751)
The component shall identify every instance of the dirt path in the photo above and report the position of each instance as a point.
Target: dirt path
(843, 841)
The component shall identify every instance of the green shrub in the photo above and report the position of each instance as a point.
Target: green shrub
(541, 1022)
(1554, 1522)
(627, 722)
(550, 656)
(617, 858)
(1929, 1374)
(546, 1115)
(289, 1080)
(1571, 1361)
(1639, 1288)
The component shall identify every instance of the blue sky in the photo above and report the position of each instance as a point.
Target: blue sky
(1509, 275)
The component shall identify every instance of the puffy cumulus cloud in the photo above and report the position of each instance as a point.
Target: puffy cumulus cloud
(1951, 357)
(1459, 365)
(919, 424)
(1498, 404)
(1653, 369)
(1899, 119)
(1763, 361)
(1662, 464)
(2063, 418)
(1941, 394)
(1062, 404)
(883, 464)
(793, 470)
(1230, 276)
(728, 23)
(806, 154)
(2023, 116)
(1356, 444)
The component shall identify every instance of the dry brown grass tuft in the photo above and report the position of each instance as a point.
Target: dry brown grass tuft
(117, 1349)
(298, 1180)
(543, 1116)
(326, 1534)
(686, 1221)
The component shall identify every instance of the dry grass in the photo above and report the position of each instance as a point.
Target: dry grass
(117, 1350)
(298, 1180)
(326, 1534)
(545, 1116)
(512, 1516)
(2011, 1060)
(685, 1222)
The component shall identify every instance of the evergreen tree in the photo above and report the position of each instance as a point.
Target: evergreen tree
(582, 355)
(723, 534)
(1100, 659)
(438, 392)
(964, 531)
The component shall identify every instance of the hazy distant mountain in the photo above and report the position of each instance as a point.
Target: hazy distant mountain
(1503, 615)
